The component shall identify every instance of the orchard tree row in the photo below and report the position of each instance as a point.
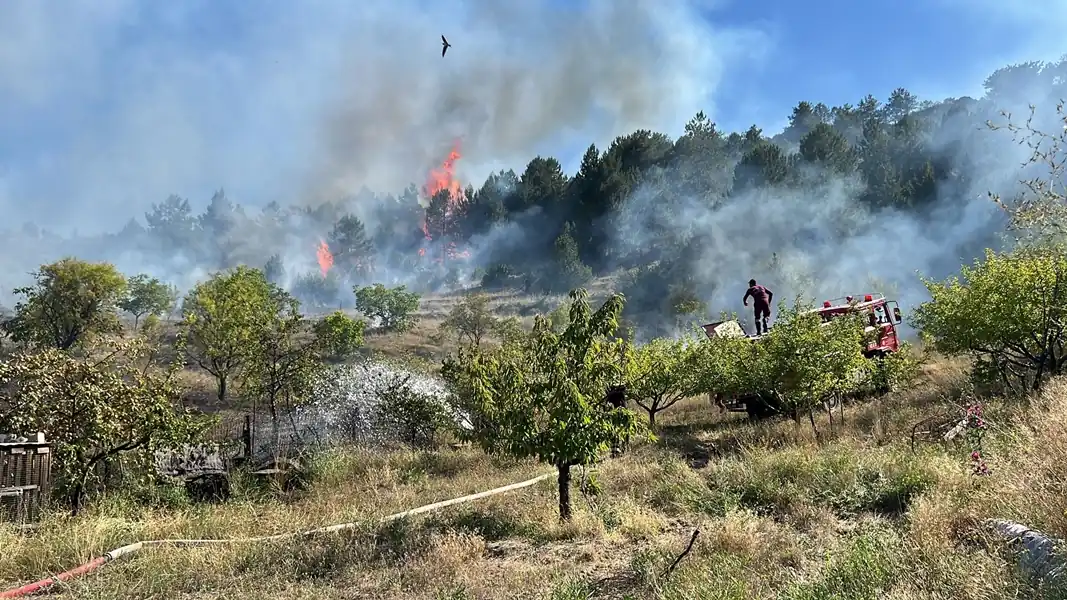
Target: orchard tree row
(71, 369)
(528, 393)
(543, 395)
(631, 205)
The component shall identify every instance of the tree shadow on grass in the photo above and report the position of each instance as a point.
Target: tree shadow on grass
(690, 443)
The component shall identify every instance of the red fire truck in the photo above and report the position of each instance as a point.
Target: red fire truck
(883, 318)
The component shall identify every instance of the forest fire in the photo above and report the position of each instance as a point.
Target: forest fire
(325, 258)
(443, 179)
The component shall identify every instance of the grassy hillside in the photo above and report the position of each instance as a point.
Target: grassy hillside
(855, 515)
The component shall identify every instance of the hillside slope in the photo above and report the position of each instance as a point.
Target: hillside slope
(858, 515)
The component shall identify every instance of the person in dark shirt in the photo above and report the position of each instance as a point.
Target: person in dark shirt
(761, 304)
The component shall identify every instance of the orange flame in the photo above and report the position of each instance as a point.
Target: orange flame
(325, 258)
(443, 178)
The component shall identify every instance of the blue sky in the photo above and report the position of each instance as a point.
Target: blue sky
(836, 51)
(107, 106)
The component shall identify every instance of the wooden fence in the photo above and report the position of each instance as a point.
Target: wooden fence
(25, 477)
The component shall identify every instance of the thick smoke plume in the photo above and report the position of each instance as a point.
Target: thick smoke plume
(522, 78)
(315, 102)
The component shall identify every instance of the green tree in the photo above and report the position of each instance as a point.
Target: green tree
(825, 147)
(542, 184)
(661, 373)
(569, 270)
(173, 226)
(147, 296)
(284, 360)
(701, 161)
(93, 409)
(317, 291)
(71, 301)
(727, 365)
(471, 320)
(340, 335)
(353, 251)
(766, 164)
(544, 398)
(394, 308)
(587, 204)
(1008, 312)
(901, 104)
(274, 270)
(222, 321)
(803, 120)
(806, 363)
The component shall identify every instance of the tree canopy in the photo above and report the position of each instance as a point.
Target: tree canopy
(71, 301)
(545, 398)
(223, 319)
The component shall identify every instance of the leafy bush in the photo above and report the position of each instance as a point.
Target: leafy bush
(413, 417)
(394, 308)
(499, 276)
(1008, 312)
(340, 335)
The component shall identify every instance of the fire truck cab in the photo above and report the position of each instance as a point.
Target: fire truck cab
(882, 316)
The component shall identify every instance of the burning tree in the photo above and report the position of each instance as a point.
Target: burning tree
(446, 202)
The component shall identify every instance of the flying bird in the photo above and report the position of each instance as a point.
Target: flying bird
(444, 46)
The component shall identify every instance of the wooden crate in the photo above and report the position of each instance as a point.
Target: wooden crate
(25, 477)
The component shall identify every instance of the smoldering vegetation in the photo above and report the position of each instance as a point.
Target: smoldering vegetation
(846, 199)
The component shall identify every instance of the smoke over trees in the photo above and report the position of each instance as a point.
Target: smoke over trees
(845, 197)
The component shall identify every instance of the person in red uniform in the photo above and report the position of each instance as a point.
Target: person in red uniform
(761, 304)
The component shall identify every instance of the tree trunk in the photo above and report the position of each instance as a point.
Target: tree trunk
(75, 499)
(564, 480)
(652, 418)
(814, 428)
(76, 496)
(275, 426)
(222, 388)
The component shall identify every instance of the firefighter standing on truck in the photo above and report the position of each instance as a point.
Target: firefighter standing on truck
(761, 304)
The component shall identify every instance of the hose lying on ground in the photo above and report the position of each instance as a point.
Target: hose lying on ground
(1036, 552)
(44, 584)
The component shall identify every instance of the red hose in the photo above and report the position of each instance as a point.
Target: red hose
(44, 584)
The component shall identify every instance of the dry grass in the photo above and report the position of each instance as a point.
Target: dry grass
(853, 515)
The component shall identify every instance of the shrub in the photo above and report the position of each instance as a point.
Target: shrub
(394, 308)
(340, 335)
